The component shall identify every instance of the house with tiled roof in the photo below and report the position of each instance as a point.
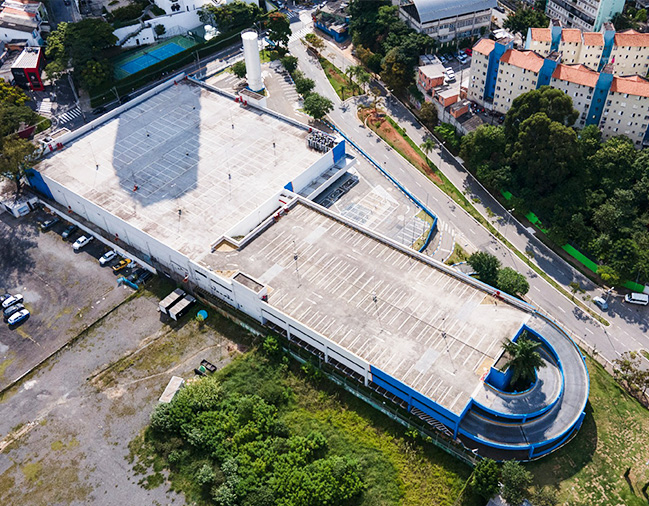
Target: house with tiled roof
(21, 22)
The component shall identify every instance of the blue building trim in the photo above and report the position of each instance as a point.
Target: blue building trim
(545, 74)
(36, 181)
(339, 151)
(492, 68)
(602, 87)
(609, 39)
(414, 398)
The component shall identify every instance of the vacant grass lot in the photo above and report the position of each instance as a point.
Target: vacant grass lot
(607, 463)
(396, 469)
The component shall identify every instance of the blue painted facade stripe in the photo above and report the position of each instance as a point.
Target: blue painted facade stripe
(339, 151)
(289, 186)
(414, 398)
(36, 180)
(492, 68)
(398, 185)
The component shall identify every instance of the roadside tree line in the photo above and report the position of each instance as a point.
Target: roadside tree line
(591, 194)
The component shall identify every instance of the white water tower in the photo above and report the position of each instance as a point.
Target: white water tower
(253, 64)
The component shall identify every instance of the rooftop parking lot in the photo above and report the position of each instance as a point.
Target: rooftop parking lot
(65, 291)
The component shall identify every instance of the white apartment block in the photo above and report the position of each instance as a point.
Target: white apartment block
(627, 109)
(479, 67)
(446, 20)
(577, 81)
(587, 15)
(627, 51)
(630, 53)
(518, 73)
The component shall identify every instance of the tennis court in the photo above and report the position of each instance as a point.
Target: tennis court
(145, 57)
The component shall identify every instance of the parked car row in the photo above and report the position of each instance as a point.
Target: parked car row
(13, 311)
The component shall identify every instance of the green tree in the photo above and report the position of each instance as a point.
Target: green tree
(486, 479)
(279, 29)
(397, 73)
(524, 360)
(512, 282)
(522, 19)
(159, 30)
(485, 145)
(486, 267)
(95, 73)
(317, 106)
(239, 69)
(553, 102)
(289, 63)
(545, 497)
(11, 94)
(428, 146)
(516, 483)
(80, 46)
(304, 86)
(314, 41)
(641, 16)
(12, 116)
(233, 15)
(545, 155)
(363, 77)
(14, 157)
(428, 115)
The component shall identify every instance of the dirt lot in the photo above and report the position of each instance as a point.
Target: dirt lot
(64, 291)
(65, 430)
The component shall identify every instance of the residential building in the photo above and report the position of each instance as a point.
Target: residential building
(618, 104)
(518, 73)
(579, 82)
(446, 20)
(586, 15)
(21, 22)
(627, 109)
(630, 53)
(628, 50)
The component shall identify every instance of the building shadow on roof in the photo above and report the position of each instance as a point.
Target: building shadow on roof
(157, 147)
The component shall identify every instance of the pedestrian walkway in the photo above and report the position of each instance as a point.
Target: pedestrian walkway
(44, 108)
(300, 33)
(70, 115)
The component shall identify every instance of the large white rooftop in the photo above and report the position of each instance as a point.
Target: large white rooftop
(186, 149)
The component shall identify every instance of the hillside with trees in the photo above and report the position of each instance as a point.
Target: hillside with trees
(592, 195)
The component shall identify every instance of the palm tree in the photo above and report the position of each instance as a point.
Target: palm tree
(377, 99)
(428, 146)
(524, 360)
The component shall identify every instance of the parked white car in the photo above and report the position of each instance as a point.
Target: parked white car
(18, 317)
(107, 257)
(641, 299)
(81, 242)
(450, 74)
(10, 301)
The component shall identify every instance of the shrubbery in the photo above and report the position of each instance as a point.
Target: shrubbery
(237, 451)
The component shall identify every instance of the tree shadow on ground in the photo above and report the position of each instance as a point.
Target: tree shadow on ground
(18, 238)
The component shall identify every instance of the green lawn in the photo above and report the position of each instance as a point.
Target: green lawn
(613, 441)
(339, 80)
(395, 468)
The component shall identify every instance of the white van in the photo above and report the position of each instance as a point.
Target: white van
(637, 298)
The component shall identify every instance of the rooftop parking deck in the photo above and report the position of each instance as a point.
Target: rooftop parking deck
(184, 166)
(428, 329)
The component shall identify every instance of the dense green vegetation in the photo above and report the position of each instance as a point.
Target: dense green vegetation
(260, 432)
(81, 46)
(385, 44)
(526, 17)
(230, 16)
(488, 269)
(14, 115)
(591, 194)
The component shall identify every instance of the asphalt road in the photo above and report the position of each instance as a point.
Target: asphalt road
(628, 329)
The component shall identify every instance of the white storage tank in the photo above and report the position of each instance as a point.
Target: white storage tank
(253, 64)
